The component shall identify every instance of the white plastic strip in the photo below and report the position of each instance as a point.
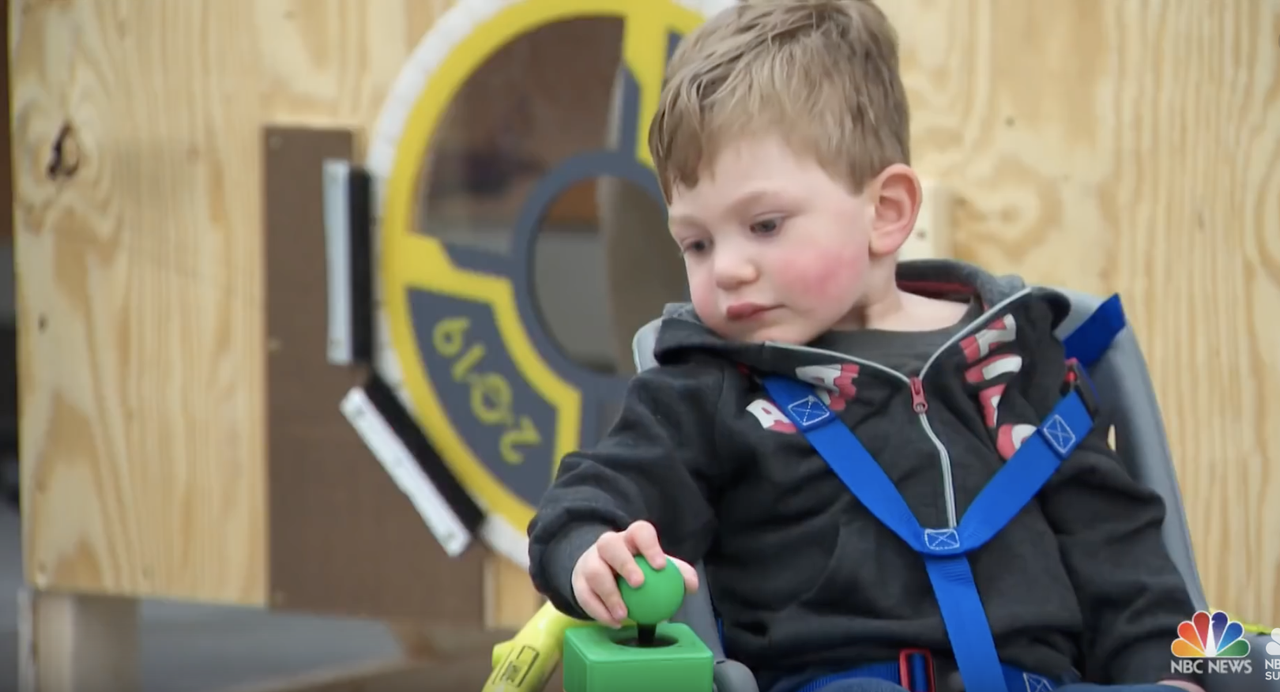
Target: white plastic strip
(403, 468)
(337, 243)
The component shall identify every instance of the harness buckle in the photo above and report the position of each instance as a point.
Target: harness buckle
(1077, 380)
(915, 670)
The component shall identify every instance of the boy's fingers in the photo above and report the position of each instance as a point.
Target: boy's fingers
(602, 584)
(642, 538)
(689, 573)
(591, 603)
(613, 550)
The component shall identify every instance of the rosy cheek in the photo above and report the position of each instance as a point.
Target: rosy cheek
(821, 274)
(703, 295)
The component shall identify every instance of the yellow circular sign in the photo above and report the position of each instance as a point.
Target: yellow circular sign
(463, 346)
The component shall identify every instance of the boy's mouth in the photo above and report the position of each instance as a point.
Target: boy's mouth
(744, 311)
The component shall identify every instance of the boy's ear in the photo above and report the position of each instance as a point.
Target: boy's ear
(895, 194)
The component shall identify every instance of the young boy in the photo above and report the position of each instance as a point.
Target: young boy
(781, 145)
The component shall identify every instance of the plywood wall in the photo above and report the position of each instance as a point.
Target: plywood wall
(140, 290)
(1104, 145)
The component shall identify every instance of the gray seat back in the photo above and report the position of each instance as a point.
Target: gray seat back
(1124, 391)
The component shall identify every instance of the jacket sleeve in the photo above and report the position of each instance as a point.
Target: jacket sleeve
(657, 463)
(1108, 527)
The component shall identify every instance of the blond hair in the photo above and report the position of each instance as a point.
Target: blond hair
(822, 74)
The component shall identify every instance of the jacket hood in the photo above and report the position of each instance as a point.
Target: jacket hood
(681, 332)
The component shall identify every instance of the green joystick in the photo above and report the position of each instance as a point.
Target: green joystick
(656, 599)
(654, 655)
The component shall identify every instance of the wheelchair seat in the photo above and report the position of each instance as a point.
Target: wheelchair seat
(1124, 389)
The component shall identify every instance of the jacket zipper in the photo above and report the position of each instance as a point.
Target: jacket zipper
(921, 406)
(919, 403)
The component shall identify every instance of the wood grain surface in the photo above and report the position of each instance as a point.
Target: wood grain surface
(139, 297)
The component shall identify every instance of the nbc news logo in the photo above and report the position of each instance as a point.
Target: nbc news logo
(1214, 645)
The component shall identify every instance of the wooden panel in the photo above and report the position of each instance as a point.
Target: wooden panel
(343, 538)
(77, 643)
(139, 298)
(6, 171)
(141, 295)
(140, 292)
(1134, 147)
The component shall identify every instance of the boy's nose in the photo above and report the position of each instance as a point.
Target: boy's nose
(734, 272)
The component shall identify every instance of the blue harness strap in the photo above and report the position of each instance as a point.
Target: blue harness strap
(945, 550)
(1088, 341)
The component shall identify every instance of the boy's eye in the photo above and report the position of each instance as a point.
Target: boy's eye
(694, 247)
(766, 226)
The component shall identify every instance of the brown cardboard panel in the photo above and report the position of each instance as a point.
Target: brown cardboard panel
(343, 538)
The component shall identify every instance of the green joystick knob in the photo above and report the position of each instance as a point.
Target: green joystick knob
(657, 598)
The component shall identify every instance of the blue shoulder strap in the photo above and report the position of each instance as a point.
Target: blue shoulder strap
(1090, 340)
(945, 549)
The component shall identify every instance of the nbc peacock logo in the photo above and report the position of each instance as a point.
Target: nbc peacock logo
(1210, 636)
(1211, 643)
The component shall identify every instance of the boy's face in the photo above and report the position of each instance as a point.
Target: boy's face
(775, 249)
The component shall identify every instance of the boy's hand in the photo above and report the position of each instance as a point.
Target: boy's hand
(595, 582)
(1183, 684)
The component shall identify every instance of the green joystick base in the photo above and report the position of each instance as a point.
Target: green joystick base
(652, 656)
